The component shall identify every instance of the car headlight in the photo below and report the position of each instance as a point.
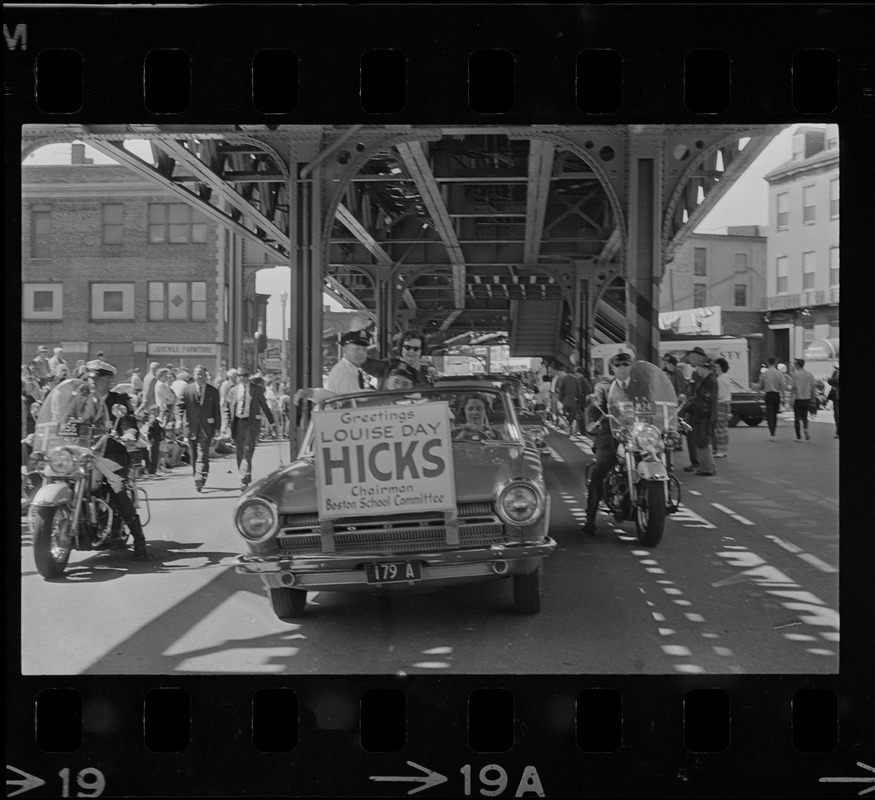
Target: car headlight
(647, 437)
(257, 519)
(62, 461)
(520, 504)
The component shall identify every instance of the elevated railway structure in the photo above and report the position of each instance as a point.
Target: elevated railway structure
(554, 236)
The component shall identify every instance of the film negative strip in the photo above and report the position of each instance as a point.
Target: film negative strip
(709, 664)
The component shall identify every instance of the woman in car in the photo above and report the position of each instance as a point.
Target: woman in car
(476, 426)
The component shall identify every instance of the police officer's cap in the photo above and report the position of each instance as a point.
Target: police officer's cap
(621, 359)
(359, 337)
(100, 369)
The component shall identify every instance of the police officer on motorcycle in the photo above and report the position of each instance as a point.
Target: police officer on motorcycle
(604, 445)
(98, 412)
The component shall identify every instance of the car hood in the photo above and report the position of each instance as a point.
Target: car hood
(480, 469)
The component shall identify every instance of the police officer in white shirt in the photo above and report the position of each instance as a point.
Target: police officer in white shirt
(346, 375)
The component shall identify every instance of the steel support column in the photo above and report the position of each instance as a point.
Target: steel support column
(643, 258)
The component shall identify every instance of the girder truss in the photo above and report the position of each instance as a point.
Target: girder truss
(450, 224)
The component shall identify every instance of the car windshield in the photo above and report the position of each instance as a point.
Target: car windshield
(478, 413)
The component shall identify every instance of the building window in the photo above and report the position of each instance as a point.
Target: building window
(113, 223)
(782, 273)
(111, 301)
(177, 301)
(834, 199)
(808, 267)
(176, 223)
(808, 204)
(248, 316)
(783, 211)
(833, 266)
(42, 301)
(807, 334)
(41, 233)
(798, 146)
(700, 294)
(740, 294)
(741, 262)
(700, 261)
(833, 327)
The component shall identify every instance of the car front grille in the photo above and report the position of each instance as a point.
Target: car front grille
(479, 526)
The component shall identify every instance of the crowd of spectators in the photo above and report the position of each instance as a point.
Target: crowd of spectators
(157, 400)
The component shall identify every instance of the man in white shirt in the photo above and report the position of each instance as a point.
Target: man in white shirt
(246, 406)
(803, 392)
(346, 375)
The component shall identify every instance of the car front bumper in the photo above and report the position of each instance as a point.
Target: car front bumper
(347, 573)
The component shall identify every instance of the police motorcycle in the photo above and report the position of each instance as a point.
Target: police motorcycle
(74, 507)
(644, 421)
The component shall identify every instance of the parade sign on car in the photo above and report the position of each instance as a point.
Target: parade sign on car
(384, 460)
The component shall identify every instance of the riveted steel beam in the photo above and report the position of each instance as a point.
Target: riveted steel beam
(355, 227)
(417, 165)
(537, 194)
(118, 153)
(184, 156)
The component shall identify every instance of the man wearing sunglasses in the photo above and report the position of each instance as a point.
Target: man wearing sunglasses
(411, 350)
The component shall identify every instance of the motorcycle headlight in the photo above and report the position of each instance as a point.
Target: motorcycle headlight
(647, 437)
(520, 504)
(257, 519)
(62, 461)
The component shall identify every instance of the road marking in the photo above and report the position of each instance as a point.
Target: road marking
(692, 668)
(694, 492)
(831, 636)
(816, 562)
(666, 632)
(657, 616)
(694, 617)
(685, 514)
(790, 548)
(800, 637)
(820, 652)
(656, 570)
(676, 650)
(731, 513)
(723, 651)
(682, 602)
(669, 590)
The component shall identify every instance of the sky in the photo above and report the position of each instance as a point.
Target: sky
(745, 203)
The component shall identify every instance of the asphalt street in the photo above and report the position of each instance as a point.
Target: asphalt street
(745, 581)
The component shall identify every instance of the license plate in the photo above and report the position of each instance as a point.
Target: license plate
(393, 572)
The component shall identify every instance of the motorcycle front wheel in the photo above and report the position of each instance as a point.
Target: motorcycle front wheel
(52, 540)
(650, 513)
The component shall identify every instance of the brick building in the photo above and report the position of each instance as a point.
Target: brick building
(112, 263)
(802, 301)
(727, 270)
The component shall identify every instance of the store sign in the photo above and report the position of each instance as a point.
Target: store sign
(181, 350)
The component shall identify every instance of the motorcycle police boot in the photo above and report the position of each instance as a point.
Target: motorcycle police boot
(139, 553)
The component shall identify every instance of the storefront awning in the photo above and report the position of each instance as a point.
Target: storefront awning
(822, 350)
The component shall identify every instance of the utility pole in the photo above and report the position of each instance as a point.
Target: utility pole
(284, 296)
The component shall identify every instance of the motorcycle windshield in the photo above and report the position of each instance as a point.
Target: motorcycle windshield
(648, 398)
(58, 422)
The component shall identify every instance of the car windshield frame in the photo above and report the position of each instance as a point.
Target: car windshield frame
(511, 428)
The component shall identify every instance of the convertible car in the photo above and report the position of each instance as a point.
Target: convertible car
(352, 512)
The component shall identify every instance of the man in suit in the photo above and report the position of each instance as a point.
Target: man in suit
(246, 406)
(98, 412)
(200, 402)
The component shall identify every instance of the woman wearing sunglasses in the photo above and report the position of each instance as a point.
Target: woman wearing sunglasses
(411, 350)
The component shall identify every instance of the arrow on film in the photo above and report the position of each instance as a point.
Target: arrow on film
(429, 778)
(855, 780)
(24, 783)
